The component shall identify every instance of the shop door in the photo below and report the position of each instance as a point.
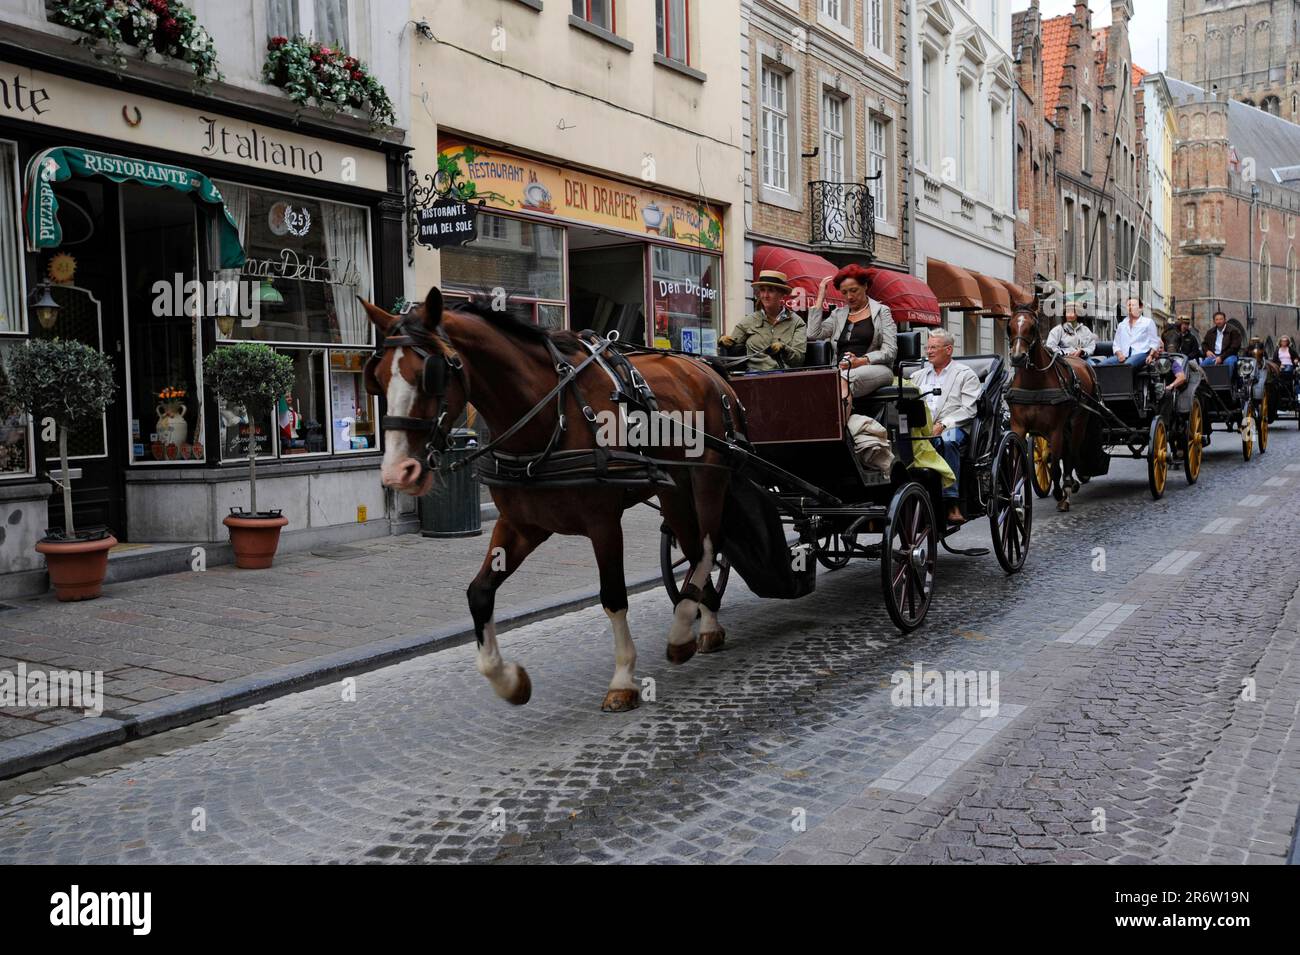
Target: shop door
(86, 271)
(607, 290)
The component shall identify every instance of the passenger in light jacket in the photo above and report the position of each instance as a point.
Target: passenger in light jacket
(864, 332)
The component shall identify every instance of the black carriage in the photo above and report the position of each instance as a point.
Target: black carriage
(1143, 415)
(801, 479)
(1236, 398)
(1284, 388)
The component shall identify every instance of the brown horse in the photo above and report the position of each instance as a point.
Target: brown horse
(1043, 399)
(434, 362)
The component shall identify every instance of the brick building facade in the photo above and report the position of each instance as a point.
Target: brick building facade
(1236, 209)
(1247, 51)
(1080, 157)
(825, 76)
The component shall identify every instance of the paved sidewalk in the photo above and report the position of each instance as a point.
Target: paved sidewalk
(157, 638)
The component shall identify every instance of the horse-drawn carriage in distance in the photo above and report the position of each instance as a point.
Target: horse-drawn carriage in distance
(803, 475)
(1154, 411)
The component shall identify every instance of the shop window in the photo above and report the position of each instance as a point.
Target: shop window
(522, 259)
(11, 284)
(687, 298)
(15, 433)
(302, 415)
(352, 410)
(326, 20)
(309, 260)
(163, 313)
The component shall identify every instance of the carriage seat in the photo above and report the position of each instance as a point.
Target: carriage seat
(1103, 350)
(1115, 381)
(820, 354)
(1218, 377)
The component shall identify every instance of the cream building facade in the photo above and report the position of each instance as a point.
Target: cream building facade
(605, 139)
(1161, 131)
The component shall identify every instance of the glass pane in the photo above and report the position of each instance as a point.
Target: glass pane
(659, 26)
(522, 257)
(166, 409)
(78, 319)
(300, 413)
(600, 14)
(282, 18)
(580, 8)
(15, 436)
(677, 30)
(687, 299)
(332, 22)
(234, 432)
(550, 316)
(11, 296)
(352, 410)
(311, 259)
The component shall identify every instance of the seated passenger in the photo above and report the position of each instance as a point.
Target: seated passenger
(1222, 342)
(1180, 338)
(1289, 362)
(1070, 338)
(953, 409)
(774, 336)
(1136, 340)
(864, 333)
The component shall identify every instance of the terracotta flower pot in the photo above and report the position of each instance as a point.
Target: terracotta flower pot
(254, 539)
(77, 568)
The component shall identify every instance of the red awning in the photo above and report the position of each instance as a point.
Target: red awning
(953, 286)
(803, 270)
(908, 297)
(997, 300)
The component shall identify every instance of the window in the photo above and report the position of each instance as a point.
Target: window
(524, 258)
(326, 20)
(1085, 236)
(927, 109)
(672, 29)
(876, 24)
(1086, 113)
(311, 260)
(596, 12)
(878, 149)
(964, 115)
(1067, 236)
(832, 137)
(1290, 277)
(835, 9)
(775, 155)
(687, 298)
(996, 193)
(1265, 275)
(15, 433)
(1191, 217)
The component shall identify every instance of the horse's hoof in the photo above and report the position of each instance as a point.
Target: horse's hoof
(523, 690)
(620, 701)
(712, 641)
(681, 652)
(1062, 505)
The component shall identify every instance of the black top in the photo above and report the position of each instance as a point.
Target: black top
(855, 338)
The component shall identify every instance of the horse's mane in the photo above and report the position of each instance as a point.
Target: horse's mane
(507, 324)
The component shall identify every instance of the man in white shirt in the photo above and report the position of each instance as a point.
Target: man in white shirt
(1071, 338)
(1137, 340)
(953, 408)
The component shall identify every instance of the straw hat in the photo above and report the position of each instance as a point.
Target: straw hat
(771, 278)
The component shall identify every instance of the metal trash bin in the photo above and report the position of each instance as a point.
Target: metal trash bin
(451, 508)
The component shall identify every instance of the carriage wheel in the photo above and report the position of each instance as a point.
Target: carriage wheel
(1157, 458)
(673, 567)
(1011, 510)
(1247, 428)
(1195, 444)
(1042, 467)
(832, 551)
(908, 557)
(1261, 422)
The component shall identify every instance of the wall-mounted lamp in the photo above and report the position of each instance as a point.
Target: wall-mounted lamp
(43, 305)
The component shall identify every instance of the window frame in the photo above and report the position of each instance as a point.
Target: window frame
(830, 135)
(766, 134)
(663, 41)
(610, 6)
(880, 192)
(22, 334)
(305, 14)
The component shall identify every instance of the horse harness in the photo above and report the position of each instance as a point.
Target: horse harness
(549, 467)
(1071, 391)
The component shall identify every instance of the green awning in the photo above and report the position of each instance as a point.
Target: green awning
(41, 212)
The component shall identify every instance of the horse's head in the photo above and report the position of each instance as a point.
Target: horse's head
(415, 369)
(1023, 332)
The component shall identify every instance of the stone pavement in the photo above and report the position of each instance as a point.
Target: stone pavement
(163, 636)
(1129, 740)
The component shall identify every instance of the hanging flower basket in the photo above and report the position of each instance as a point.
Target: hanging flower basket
(165, 28)
(314, 73)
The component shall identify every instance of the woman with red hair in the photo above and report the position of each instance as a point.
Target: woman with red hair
(864, 333)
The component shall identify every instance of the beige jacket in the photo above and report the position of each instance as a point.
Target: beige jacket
(884, 342)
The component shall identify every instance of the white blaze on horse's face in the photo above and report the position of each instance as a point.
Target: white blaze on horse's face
(400, 468)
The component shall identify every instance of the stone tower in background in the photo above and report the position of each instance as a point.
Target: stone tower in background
(1247, 50)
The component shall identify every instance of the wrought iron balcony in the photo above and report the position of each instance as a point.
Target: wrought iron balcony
(843, 216)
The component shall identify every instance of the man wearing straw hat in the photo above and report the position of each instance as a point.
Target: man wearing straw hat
(774, 336)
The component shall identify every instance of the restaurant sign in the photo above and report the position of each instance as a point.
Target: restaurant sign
(507, 181)
(446, 222)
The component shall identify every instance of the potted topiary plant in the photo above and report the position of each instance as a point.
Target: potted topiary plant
(253, 376)
(68, 382)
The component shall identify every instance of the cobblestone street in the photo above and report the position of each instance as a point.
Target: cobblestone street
(1145, 713)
